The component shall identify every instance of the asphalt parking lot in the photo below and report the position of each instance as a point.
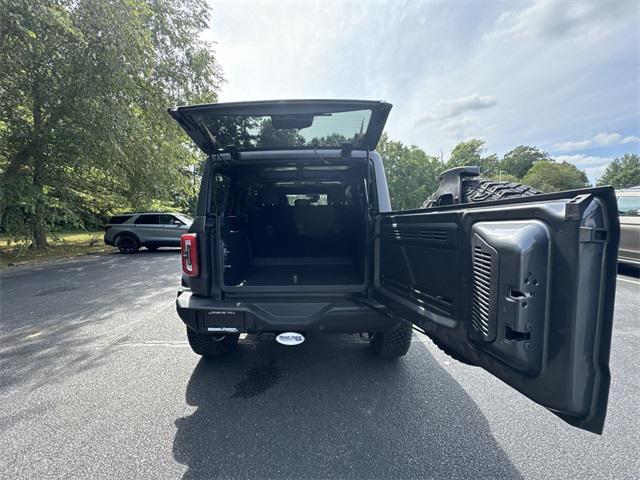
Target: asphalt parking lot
(97, 381)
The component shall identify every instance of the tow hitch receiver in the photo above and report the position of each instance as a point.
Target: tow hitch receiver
(290, 338)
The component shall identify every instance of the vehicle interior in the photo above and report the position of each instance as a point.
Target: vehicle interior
(293, 224)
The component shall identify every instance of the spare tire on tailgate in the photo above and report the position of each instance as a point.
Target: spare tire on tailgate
(473, 190)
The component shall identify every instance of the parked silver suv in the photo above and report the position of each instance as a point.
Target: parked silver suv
(152, 230)
(629, 211)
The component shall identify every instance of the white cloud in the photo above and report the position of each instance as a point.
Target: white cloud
(448, 109)
(599, 140)
(549, 19)
(465, 128)
(593, 165)
(547, 75)
(604, 139)
(572, 146)
(607, 139)
(629, 139)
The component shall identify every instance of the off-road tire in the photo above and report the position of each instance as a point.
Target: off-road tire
(474, 191)
(127, 244)
(209, 345)
(394, 343)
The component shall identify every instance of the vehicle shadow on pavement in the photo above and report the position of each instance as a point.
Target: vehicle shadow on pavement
(329, 408)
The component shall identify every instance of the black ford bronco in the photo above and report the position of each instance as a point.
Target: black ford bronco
(294, 233)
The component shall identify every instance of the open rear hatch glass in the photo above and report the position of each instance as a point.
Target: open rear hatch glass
(284, 124)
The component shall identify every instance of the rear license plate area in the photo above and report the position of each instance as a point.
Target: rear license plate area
(229, 321)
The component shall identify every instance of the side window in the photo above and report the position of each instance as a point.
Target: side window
(119, 219)
(220, 191)
(147, 220)
(170, 220)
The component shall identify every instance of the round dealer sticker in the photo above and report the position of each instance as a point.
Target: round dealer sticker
(290, 338)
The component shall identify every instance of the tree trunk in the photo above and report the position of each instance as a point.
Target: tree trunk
(40, 237)
(39, 220)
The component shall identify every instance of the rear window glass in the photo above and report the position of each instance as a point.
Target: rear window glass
(286, 131)
(306, 199)
(115, 220)
(147, 220)
(629, 206)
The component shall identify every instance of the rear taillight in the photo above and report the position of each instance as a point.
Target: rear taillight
(189, 250)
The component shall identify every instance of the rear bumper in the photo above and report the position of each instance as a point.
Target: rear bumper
(332, 315)
(109, 237)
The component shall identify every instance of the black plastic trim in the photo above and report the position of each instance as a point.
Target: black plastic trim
(276, 314)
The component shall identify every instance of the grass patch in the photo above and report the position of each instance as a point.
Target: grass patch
(68, 244)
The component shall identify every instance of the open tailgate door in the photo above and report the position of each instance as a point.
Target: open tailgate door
(523, 288)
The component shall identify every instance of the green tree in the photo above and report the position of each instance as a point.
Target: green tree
(412, 175)
(518, 161)
(472, 153)
(622, 172)
(549, 176)
(333, 139)
(504, 177)
(270, 137)
(84, 86)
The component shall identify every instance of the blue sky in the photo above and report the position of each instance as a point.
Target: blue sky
(563, 76)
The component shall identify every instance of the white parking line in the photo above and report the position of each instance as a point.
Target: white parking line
(624, 279)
